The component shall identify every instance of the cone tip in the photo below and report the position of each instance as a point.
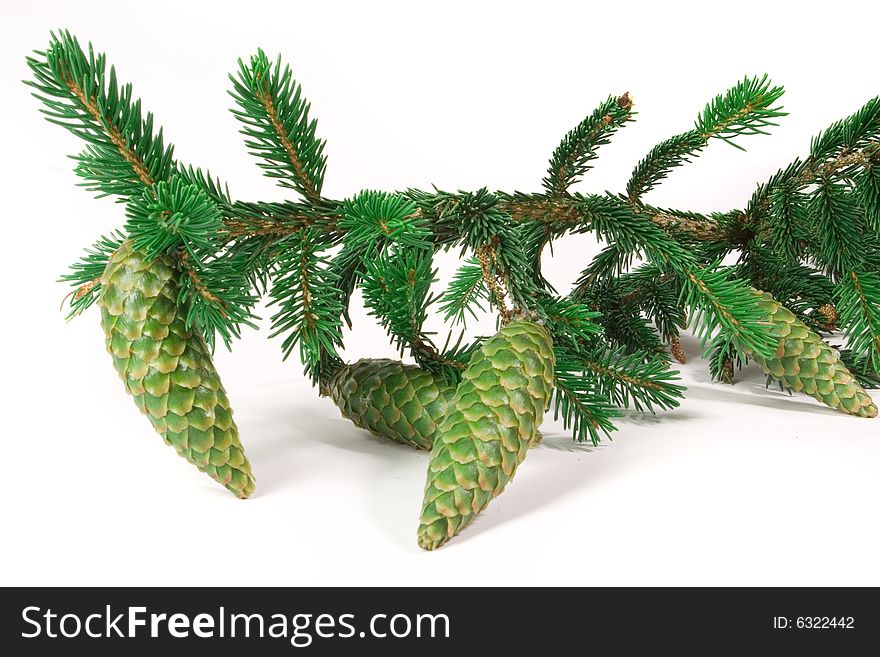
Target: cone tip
(429, 540)
(245, 491)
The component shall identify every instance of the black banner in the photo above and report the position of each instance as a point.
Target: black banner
(108, 621)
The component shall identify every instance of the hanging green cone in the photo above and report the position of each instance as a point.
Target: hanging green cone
(492, 420)
(167, 367)
(805, 363)
(401, 402)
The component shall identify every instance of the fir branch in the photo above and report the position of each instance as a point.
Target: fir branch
(858, 306)
(745, 109)
(486, 228)
(693, 226)
(867, 189)
(800, 288)
(620, 317)
(725, 359)
(122, 154)
(660, 160)
(466, 290)
(658, 296)
(274, 219)
(584, 410)
(825, 208)
(632, 232)
(839, 227)
(563, 212)
(85, 274)
(860, 367)
(373, 217)
(788, 178)
(216, 290)
(611, 217)
(309, 309)
(844, 137)
(572, 158)
(719, 303)
(845, 164)
(631, 332)
(396, 290)
(788, 221)
(569, 322)
(533, 238)
(610, 262)
(171, 215)
(443, 213)
(639, 379)
(576, 211)
(277, 124)
(800, 174)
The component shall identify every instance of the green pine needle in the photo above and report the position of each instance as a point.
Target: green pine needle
(640, 380)
(85, 274)
(856, 131)
(839, 226)
(717, 302)
(373, 217)
(617, 223)
(305, 291)
(584, 410)
(788, 221)
(396, 288)
(466, 292)
(123, 154)
(171, 215)
(661, 160)
(569, 322)
(276, 121)
(858, 303)
(725, 359)
(745, 109)
(610, 262)
(861, 369)
(867, 189)
(217, 290)
(657, 296)
(574, 155)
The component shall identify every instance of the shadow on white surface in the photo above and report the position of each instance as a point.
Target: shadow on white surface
(758, 395)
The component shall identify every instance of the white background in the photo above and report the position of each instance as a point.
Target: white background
(741, 485)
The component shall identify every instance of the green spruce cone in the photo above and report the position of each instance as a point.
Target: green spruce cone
(492, 420)
(167, 367)
(392, 400)
(805, 363)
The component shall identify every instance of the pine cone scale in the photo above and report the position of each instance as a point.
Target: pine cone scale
(805, 363)
(401, 402)
(491, 422)
(167, 369)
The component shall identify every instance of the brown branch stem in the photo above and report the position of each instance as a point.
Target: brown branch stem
(113, 133)
(292, 154)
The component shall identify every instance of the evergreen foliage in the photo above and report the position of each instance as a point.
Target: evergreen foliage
(276, 122)
(308, 309)
(810, 236)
